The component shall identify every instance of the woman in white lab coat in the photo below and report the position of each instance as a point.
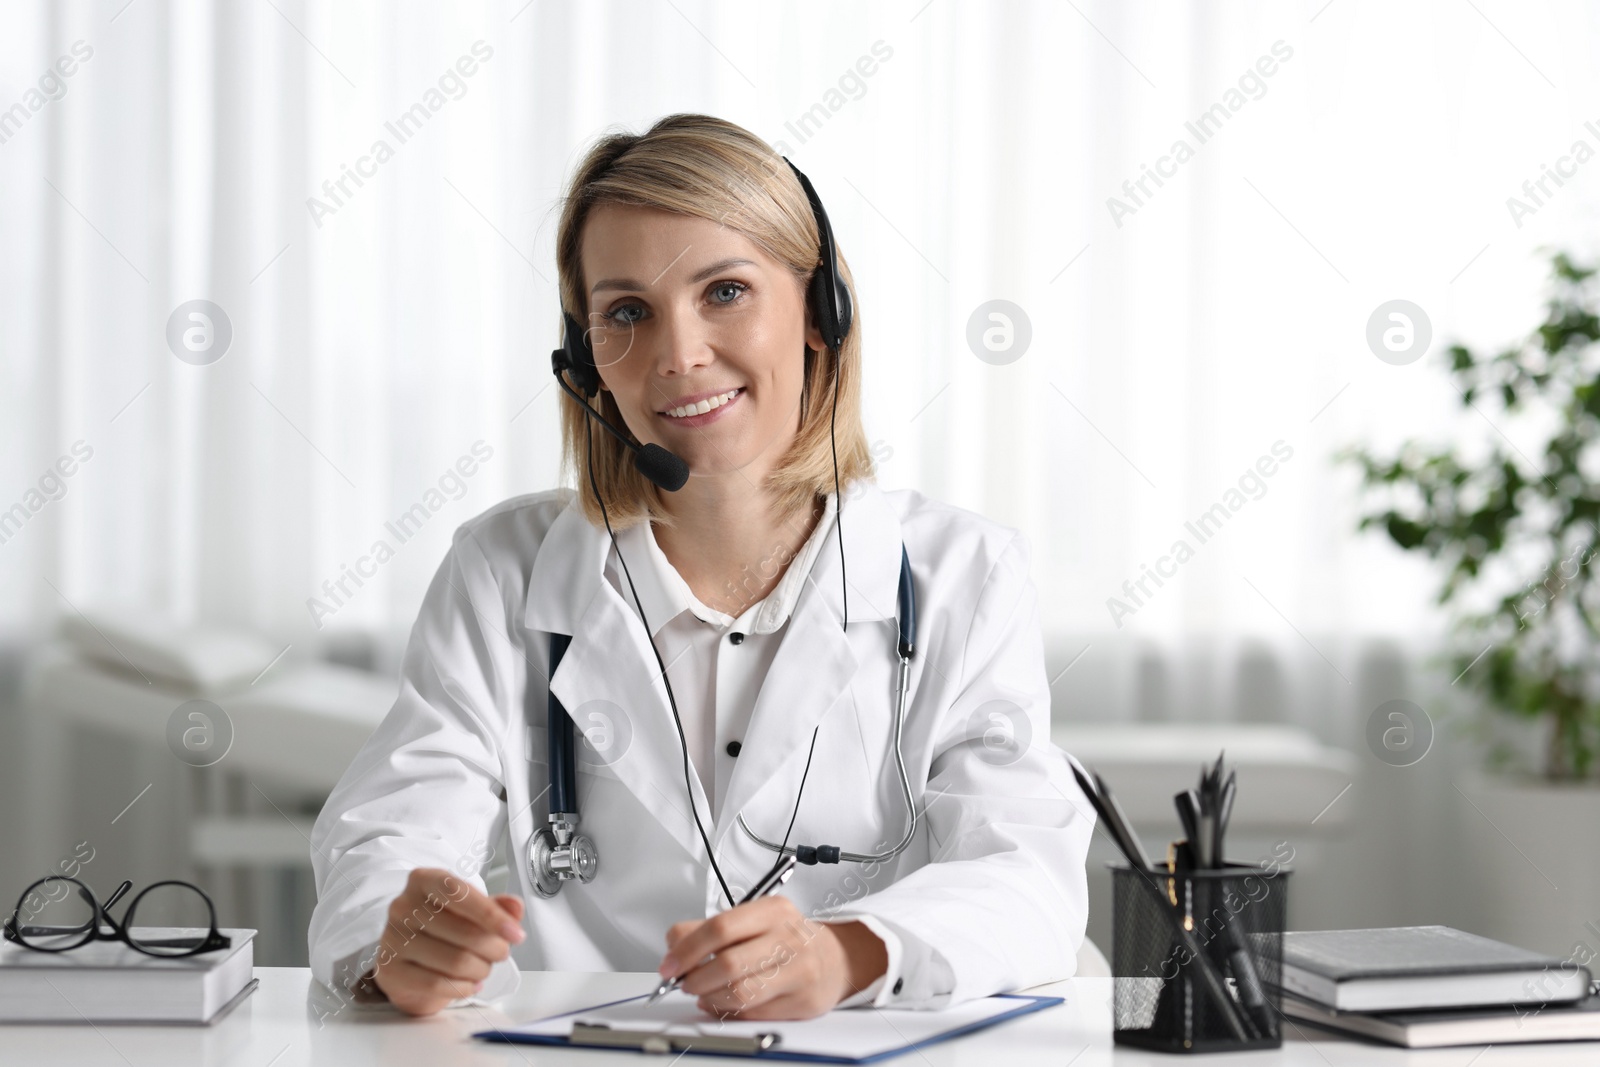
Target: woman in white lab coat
(689, 251)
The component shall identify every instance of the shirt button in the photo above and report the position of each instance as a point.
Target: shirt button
(899, 983)
(733, 748)
(736, 638)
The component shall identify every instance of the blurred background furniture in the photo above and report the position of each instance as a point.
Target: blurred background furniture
(240, 827)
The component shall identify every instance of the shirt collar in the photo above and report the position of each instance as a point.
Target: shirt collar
(665, 595)
(567, 587)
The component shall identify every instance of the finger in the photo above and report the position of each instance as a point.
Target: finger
(763, 956)
(796, 1005)
(420, 979)
(462, 934)
(729, 928)
(747, 994)
(678, 931)
(510, 903)
(466, 900)
(420, 990)
(447, 959)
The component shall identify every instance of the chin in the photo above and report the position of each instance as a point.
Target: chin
(711, 465)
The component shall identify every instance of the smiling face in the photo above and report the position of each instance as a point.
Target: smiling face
(698, 334)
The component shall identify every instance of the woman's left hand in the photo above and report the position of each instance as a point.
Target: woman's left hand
(764, 960)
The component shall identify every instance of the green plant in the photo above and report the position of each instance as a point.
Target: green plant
(1509, 522)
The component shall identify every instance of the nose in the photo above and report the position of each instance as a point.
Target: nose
(682, 343)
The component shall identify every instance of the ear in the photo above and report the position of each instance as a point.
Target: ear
(813, 333)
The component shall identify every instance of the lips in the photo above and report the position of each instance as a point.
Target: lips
(703, 404)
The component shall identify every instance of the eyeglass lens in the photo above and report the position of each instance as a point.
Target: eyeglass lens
(55, 914)
(178, 907)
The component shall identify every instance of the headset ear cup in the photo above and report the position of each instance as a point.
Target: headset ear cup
(580, 357)
(822, 308)
(846, 310)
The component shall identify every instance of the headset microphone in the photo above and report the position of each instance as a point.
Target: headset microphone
(651, 460)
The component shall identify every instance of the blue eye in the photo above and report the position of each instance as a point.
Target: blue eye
(738, 287)
(614, 318)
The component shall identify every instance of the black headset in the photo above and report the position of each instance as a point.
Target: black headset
(828, 295)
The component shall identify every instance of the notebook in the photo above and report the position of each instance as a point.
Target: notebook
(1460, 1026)
(1421, 967)
(853, 1035)
(108, 982)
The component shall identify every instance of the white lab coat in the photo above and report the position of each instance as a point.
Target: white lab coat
(989, 896)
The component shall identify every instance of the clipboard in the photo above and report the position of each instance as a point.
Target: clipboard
(852, 1035)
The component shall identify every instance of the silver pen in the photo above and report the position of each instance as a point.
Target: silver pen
(777, 876)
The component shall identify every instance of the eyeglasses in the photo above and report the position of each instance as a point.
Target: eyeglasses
(69, 917)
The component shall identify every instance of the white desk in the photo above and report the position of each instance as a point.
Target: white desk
(278, 1027)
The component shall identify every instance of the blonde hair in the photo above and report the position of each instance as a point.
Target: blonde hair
(710, 168)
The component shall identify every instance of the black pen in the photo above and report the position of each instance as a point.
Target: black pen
(779, 874)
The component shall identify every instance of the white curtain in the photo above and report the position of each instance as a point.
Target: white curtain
(383, 332)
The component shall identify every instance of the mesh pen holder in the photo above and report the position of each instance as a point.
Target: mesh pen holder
(1160, 998)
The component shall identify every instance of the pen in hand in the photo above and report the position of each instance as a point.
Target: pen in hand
(780, 873)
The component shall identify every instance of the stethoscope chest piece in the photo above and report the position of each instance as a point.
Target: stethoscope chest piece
(558, 853)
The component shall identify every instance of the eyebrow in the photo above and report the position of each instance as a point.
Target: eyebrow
(628, 285)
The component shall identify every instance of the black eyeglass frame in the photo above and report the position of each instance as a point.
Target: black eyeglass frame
(119, 931)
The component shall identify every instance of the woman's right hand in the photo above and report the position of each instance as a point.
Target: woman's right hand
(442, 937)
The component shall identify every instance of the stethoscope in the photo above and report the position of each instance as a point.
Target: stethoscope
(558, 852)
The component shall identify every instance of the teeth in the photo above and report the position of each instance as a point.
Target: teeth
(703, 406)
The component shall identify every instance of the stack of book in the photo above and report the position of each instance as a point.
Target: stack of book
(1431, 986)
(108, 982)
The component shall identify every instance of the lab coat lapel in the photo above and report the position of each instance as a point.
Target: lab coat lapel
(610, 661)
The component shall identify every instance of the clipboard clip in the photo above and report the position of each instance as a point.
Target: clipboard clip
(665, 1041)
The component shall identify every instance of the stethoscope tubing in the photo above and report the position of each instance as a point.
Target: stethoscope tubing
(905, 791)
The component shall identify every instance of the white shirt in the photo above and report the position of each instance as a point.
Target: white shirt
(716, 664)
